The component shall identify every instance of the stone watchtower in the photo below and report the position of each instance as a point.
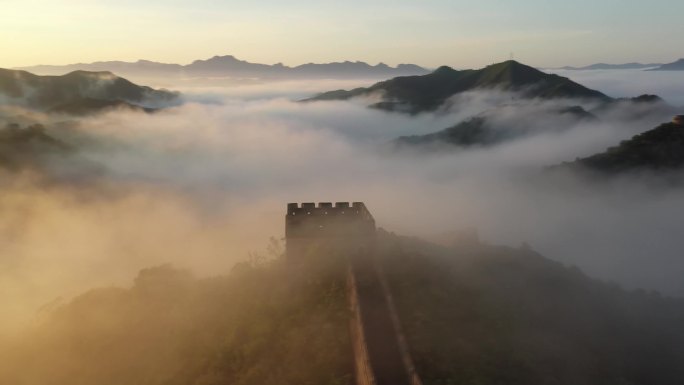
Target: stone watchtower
(349, 227)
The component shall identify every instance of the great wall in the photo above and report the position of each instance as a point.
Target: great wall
(380, 351)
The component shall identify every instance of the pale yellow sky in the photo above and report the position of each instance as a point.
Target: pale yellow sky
(429, 33)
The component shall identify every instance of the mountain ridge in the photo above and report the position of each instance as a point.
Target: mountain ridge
(487, 128)
(504, 315)
(660, 149)
(98, 90)
(229, 65)
(607, 66)
(422, 93)
(677, 65)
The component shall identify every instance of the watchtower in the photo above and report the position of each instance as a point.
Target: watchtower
(345, 226)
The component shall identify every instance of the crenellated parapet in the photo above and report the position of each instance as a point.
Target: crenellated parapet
(380, 352)
(327, 208)
(309, 223)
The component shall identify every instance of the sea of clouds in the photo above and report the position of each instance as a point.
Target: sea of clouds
(203, 184)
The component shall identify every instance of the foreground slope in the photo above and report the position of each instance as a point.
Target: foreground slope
(479, 314)
(258, 325)
(472, 314)
(416, 94)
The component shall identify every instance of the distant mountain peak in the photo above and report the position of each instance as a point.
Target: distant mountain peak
(230, 66)
(512, 64)
(219, 59)
(677, 65)
(91, 73)
(420, 93)
(648, 98)
(512, 72)
(608, 66)
(444, 70)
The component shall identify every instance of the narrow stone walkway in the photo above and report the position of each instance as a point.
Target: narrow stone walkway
(383, 347)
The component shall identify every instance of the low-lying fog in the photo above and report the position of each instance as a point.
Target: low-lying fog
(627, 83)
(203, 184)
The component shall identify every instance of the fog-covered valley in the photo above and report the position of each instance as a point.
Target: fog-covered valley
(202, 184)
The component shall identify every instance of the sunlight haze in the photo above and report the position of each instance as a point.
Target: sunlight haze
(429, 33)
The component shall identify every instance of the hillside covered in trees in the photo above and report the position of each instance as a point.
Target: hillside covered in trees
(660, 149)
(472, 313)
(80, 93)
(424, 93)
(483, 314)
(260, 324)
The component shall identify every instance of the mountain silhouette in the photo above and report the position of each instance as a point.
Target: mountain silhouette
(674, 66)
(605, 66)
(471, 313)
(483, 314)
(78, 91)
(29, 147)
(89, 106)
(659, 149)
(415, 94)
(230, 66)
(630, 109)
(498, 125)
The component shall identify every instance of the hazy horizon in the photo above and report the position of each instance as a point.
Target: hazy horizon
(519, 223)
(202, 184)
(342, 60)
(455, 33)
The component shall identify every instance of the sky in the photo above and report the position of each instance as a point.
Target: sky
(462, 34)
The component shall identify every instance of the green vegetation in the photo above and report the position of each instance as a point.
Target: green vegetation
(482, 131)
(659, 149)
(479, 314)
(47, 92)
(28, 147)
(637, 108)
(473, 314)
(89, 106)
(415, 94)
(264, 323)
(472, 132)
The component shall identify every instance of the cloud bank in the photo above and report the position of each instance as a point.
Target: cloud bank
(203, 184)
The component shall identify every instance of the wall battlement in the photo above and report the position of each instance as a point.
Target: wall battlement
(327, 208)
(380, 351)
(345, 223)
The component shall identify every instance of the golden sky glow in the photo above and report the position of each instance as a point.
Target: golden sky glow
(430, 33)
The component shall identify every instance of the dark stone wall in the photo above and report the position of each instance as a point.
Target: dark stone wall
(345, 226)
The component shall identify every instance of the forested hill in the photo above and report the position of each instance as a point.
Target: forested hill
(660, 149)
(78, 91)
(416, 94)
(472, 313)
(480, 314)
